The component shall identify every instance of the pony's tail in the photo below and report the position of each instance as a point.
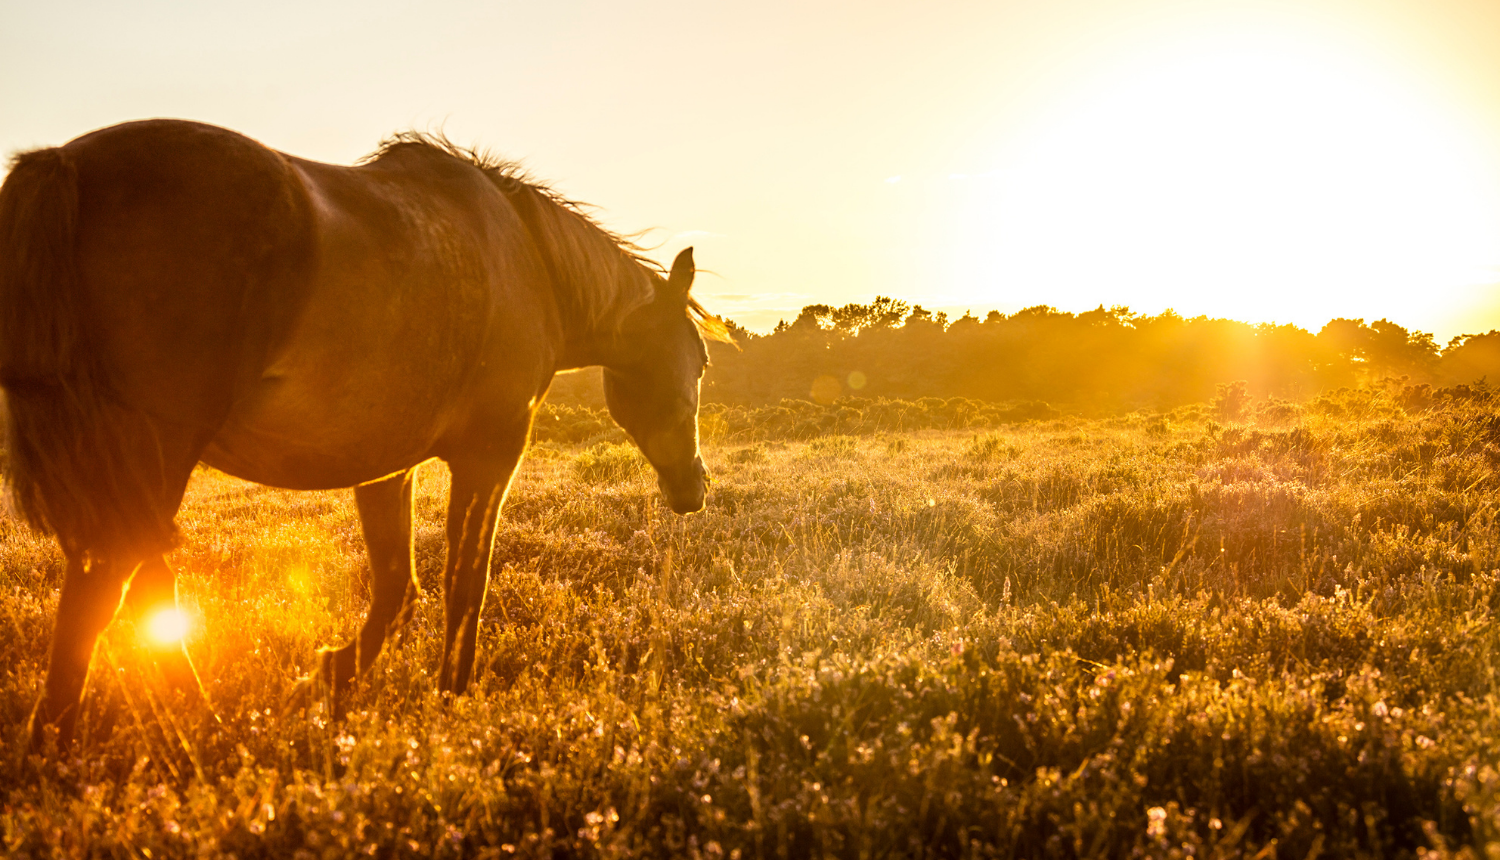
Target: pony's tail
(75, 459)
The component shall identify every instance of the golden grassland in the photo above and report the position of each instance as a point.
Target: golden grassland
(1233, 630)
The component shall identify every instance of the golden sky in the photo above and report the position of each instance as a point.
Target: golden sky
(1267, 161)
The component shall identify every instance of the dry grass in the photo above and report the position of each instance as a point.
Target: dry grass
(1153, 635)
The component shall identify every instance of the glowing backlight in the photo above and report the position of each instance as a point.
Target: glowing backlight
(168, 626)
(299, 579)
(1258, 180)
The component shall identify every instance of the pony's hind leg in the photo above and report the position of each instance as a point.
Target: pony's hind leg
(151, 601)
(152, 462)
(91, 593)
(385, 518)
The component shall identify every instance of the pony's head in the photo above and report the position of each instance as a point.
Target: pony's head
(652, 388)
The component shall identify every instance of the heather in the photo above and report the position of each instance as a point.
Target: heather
(951, 627)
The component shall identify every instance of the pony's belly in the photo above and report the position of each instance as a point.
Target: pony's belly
(298, 471)
(302, 469)
(311, 449)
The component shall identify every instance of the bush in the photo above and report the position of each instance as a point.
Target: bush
(990, 446)
(1232, 401)
(607, 463)
(750, 454)
(833, 446)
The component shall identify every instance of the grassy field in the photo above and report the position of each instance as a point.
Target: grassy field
(1226, 631)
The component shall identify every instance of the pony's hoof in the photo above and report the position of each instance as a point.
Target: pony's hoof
(308, 690)
(314, 693)
(43, 738)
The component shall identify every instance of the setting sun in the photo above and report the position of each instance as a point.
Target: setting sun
(1250, 178)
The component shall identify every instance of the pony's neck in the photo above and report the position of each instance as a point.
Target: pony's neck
(582, 348)
(596, 339)
(596, 282)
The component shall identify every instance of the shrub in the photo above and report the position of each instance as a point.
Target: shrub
(608, 462)
(990, 446)
(833, 446)
(1233, 400)
(749, 454)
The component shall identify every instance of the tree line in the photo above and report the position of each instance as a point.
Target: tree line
(1104, 359)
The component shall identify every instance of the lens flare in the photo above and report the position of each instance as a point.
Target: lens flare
(168, 626)
(299, 579)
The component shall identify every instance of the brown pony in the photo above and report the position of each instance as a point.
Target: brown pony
(174, 293)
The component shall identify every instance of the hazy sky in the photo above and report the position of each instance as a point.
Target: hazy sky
(1278, 161)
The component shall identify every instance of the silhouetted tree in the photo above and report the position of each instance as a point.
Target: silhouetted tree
(1103, 359)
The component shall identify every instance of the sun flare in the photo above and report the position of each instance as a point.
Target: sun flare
(168, 626)
(1252, 180)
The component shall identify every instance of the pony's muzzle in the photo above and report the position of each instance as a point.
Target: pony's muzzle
(685, 493)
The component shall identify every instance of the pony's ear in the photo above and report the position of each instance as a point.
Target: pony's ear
(681, 278)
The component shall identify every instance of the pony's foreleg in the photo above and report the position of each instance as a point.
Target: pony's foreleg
(153, 591)
(385, 517)
(473, 511)
(91, 594)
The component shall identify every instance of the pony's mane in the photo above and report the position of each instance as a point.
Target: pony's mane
(601, 276)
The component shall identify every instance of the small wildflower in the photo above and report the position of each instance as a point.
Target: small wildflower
(1156, 822)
